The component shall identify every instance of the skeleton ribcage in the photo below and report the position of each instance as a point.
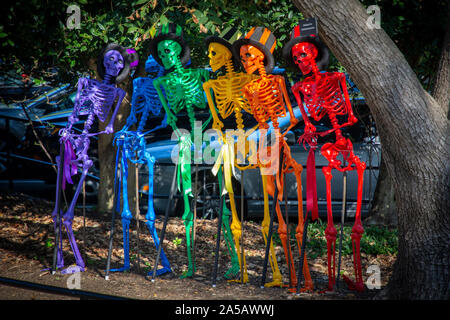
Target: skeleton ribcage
(95, 97)
(145, 98)
(185, 91)
(325, 97)
(266, 100)
(228, 96)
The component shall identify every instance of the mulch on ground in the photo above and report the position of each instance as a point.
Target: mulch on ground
(26, 250)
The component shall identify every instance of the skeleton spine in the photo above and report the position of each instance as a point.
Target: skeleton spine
(229, 67)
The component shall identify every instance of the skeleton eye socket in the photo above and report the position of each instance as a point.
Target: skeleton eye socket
(213, 53)
(248, 55)
(166, 50)
(111, 58)
(303, 55)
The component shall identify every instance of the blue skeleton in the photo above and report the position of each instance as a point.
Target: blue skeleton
(131, 146)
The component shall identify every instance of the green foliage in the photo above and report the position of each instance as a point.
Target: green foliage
(34, 35)
(375, 240)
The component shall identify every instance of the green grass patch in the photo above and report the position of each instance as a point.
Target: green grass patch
(375, 240)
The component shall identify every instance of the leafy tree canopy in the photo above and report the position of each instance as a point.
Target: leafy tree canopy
(34, 35)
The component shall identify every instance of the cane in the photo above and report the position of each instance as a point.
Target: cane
(166, 217)
(242, 228)
(269, 235)
(301, 262)
(343, 213)
(58, 205)
(195, 214)
(288, 236)
(219, 228)
(117, 180)
(136, 170)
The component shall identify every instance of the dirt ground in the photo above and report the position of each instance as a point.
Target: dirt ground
(26, 250)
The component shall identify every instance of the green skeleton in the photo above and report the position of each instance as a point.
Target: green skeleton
(183, 89)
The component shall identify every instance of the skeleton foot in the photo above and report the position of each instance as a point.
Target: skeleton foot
(187, 274)
(159, 272)
(72, 269)
(123, 269)
(245, 279)
(233, 272)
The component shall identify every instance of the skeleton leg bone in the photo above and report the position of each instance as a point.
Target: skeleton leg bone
(126, 215)
(150, 217)
(276, 274)
(330, 232)
(68, 219)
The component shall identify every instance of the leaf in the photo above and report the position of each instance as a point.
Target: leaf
(139, 2)
(3, 35)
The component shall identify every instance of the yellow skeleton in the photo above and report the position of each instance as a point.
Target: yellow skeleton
(229, 101)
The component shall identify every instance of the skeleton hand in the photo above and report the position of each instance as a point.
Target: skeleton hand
(109, 129)
(309, 136)
(171, 119)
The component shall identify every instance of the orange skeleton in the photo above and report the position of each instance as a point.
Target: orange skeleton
(268, 99)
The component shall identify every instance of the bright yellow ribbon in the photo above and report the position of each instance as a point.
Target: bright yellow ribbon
(226, 154)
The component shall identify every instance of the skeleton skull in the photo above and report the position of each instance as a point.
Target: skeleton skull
(169, 52)
(304, 55)
(151, 66)
(113, 62)
(251, 57)
(218, 55)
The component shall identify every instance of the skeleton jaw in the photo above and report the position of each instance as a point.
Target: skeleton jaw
(218, 55)
(304, 55)
(251, 58)
(113, 62)
(169, 53)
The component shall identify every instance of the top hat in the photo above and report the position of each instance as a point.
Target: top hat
(123, 74)
(306, 31)
(261, 38)
(226, 38)
(170, 31)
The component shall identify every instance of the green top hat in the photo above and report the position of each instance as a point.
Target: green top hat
(170, 31)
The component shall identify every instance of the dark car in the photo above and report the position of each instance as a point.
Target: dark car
(24, 165)
(363, 136)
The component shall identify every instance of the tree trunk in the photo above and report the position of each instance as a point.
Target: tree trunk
(441, 90)
(383, 211)
(413, 131)
(107, 156)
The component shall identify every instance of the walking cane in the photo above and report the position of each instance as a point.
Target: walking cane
(195, 214)
(219, 228)
(301, 262)
(166, 217)
(117, 181)
(343, 213)
(269, 235)
(137, 215)
(288, 236)
(58, 206)
(242, 227)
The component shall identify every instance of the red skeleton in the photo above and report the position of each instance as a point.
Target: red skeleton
(325, 94)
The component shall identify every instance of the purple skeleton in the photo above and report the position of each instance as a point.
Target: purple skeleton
(94, 99)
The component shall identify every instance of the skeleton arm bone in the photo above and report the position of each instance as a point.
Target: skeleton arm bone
(82, 82)
(217, 123)
(109, 128)
(293, 120)
(170, 117)
(351, 117)
(309, 134)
